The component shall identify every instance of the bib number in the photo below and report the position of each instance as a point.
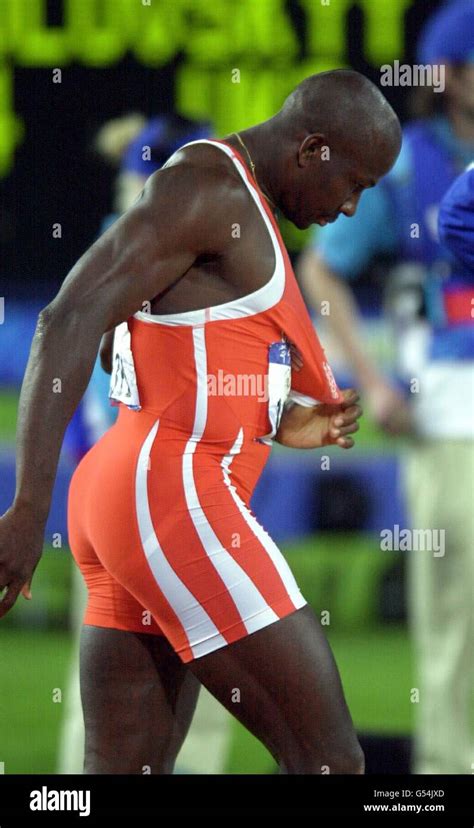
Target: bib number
(278, 385)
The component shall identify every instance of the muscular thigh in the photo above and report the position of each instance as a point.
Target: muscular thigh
(282, 683)
(138, 700)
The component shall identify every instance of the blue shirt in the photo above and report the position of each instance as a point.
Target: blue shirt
(456, 219)
(348, 245)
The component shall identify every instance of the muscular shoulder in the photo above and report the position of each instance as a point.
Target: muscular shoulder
(200, 188)
(200, 174)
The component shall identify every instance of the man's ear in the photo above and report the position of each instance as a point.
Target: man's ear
(310, 149)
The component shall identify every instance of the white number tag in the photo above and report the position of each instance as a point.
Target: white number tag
(278, 385)
(123, 380)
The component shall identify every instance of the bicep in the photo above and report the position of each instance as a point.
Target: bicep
(145, 251)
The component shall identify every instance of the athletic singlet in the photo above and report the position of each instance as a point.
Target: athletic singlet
(159, 516)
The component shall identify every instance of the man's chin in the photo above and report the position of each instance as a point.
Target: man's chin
(304, 223)
(301, 224)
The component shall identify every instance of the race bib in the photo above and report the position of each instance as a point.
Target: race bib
(278, 385)
(123, 380)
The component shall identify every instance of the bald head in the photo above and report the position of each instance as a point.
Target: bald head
(344, 105)
(335, 136)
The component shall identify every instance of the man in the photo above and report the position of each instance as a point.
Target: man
(208, 741)
(180, 552)
(432, 308)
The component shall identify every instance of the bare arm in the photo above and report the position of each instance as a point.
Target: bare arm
(128, 187)
(142, 253)
(110, 281)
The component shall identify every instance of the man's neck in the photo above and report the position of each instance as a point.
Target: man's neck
(262, 148)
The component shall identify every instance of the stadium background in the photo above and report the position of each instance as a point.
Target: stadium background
(181, 55)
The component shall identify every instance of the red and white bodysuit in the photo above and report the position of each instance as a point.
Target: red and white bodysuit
(158, 512)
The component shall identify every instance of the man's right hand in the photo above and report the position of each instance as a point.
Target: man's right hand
(21, 546)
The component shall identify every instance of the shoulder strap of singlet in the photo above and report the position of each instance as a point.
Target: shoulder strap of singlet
(259, 300)
(249, 181)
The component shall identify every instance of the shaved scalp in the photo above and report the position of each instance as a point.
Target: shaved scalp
(343, 105)
(334, 137)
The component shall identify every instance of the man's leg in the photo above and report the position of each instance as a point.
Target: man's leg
(138, 700)
(207, 746)
(282, 683)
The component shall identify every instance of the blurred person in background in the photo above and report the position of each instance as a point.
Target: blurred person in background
(137, 147)
(430, 302)
(456, 219)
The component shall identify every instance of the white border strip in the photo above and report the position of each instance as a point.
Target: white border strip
(268, 544)
(250, 603)
(194, 619)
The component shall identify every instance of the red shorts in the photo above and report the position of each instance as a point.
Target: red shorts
(161, 530)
